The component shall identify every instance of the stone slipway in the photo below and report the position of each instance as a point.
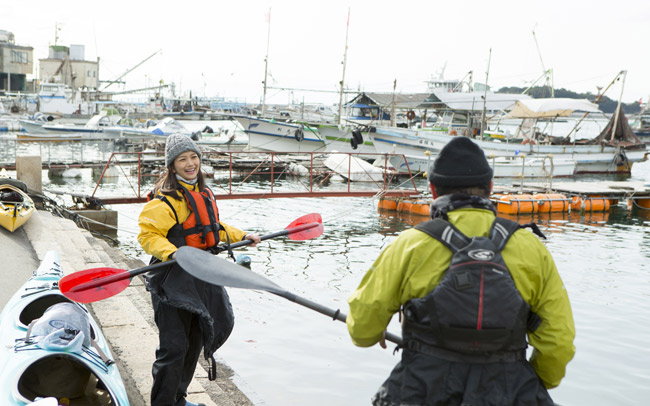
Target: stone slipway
(126, 319)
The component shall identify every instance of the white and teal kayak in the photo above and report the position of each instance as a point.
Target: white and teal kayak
(53, 348)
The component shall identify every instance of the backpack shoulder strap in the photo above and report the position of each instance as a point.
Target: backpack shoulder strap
(445, 232)
(501, 231)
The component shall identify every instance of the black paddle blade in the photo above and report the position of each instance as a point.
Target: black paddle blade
(218, 271)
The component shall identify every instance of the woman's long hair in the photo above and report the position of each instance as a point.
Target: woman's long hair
(167, 184)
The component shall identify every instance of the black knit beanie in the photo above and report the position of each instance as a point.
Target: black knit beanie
(460, 163)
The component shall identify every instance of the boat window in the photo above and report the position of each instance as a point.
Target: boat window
(460, 118)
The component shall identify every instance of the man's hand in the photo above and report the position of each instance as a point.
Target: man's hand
(382, 341)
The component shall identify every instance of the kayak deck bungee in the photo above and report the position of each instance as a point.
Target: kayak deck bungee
(40, 365)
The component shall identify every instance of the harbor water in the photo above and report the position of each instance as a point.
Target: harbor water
(285, 354)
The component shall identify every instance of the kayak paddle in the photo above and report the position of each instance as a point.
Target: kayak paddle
(218, 271)
(91, 285)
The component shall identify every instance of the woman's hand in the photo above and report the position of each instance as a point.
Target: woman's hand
(253, 237)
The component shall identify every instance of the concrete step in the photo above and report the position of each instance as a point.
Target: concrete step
(126, 319)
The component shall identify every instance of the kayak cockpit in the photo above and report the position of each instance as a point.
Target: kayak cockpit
(63, 376)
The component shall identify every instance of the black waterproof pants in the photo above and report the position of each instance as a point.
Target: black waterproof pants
(178, 352)
(424, 380)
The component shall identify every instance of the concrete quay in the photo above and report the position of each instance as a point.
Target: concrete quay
(126, 319)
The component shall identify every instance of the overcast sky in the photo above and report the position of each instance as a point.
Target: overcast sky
(217, 48)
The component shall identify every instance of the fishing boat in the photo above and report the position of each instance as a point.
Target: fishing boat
(150, 128)
(611, 151)
(16, 207)
(522, 166)
(271, 135)
(95, 124)
(347, 138)
(53, 348)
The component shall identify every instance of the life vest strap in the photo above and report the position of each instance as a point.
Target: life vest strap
(455, 356)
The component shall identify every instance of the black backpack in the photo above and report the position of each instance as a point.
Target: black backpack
(476, 308)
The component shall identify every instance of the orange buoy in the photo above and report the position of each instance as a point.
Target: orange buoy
(517, 204)
(404, 206)
(387, 204)
(596, 203)
(590, 203)
(552, 202)
(420, 207)
(643, 203)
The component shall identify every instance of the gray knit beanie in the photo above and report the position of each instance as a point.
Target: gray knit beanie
(176, 144)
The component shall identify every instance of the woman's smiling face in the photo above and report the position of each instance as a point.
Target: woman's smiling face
(187, 165)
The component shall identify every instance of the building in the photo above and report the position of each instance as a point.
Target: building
(68, 65)
(16, 62)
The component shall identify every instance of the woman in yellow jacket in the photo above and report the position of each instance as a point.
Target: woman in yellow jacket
(413, 266)
(190, 314)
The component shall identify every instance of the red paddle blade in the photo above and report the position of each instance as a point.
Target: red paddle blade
(306, 227)
(91, 285)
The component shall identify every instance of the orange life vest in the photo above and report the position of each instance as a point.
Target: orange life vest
(201, 229)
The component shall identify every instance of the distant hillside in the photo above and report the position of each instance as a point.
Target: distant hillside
(606, 104)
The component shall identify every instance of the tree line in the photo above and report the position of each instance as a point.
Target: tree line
(606, 104)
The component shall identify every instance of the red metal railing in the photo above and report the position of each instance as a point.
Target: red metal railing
(275, 166)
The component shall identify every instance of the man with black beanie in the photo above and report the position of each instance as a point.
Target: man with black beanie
(513, 296)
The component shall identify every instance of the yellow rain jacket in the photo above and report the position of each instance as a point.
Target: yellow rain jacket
(157, 218)
(413, 265)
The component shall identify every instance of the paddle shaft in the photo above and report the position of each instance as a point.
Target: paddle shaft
(130, 274)
(287, 231)
(334, 314)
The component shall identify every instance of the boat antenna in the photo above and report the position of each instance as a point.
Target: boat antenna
(487, 73)
(345, 58)
(266, 60)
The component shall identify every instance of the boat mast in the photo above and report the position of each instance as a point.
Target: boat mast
(266, 60)
(598, 97)
(548, 73)
(487, 73)
(345, 58)
(392, 112)
(618, 107)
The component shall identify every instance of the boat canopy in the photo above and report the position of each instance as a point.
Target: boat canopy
(473, 101)
(550, 108)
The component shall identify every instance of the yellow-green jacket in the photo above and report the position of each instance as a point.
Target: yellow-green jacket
(157, 218)
(413, 265)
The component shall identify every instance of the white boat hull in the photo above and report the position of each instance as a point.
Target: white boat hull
(270, 135)
(416, 144)
(339, 140)
(532, 168)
